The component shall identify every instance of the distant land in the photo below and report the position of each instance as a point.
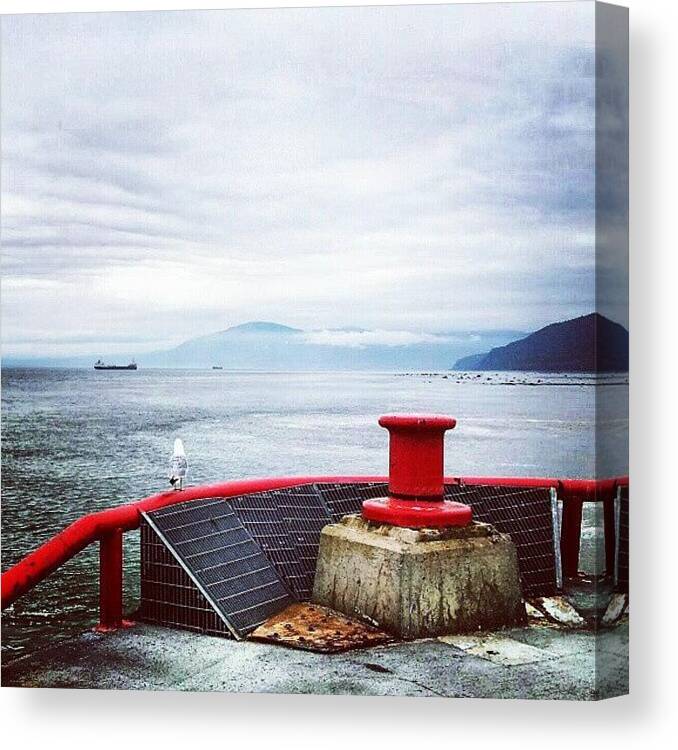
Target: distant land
(269, 346)
(591, 343)
(569, 346)
(262, 345)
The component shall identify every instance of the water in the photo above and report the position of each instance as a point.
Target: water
(76, 441)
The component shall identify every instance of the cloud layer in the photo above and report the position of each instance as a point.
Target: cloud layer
(402, 169)
(360, 339)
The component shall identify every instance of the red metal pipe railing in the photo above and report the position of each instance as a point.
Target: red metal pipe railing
(107, 527)
(586, 490)
(96, 527)
(574, 493)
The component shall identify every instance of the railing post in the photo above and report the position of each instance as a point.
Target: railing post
(570, 539)
(609, 534)
(110, 581)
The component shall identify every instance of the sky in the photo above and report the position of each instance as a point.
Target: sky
(407, 170)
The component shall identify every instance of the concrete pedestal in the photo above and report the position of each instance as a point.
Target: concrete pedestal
(417, 583)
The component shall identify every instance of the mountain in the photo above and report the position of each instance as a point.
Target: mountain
(267, 346)
(258, 326)
(470, 363)
(591, 343)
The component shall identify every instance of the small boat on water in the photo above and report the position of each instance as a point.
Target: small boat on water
(99, 365)
(217, 367)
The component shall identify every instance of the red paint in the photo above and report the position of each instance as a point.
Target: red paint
(94, 527)
(416, 455)
(110, 579)
(587, 490)
(416, 483)
(43, 561)
(413, 514)
(570, 536)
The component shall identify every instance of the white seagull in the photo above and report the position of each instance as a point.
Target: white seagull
(178, 466)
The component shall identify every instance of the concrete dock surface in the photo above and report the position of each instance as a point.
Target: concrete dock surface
(539, 661)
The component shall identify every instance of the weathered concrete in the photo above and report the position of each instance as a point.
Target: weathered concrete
(418, 583)
(538, 661)
(560, 610)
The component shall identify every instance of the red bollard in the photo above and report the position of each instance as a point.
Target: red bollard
(416, 466)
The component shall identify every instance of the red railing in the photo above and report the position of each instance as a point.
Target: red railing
(574, 493)
(108, 526)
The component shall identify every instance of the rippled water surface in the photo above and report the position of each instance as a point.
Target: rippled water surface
(75, 441)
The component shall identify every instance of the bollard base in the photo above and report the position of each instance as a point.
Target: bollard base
(419, 583)
(416, 513)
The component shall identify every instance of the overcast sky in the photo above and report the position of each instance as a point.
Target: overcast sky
(412, 169)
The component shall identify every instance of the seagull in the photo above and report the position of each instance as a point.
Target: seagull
(178, 466)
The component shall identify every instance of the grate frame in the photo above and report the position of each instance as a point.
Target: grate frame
(223, 561)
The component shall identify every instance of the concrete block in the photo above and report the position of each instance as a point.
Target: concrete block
(418, 583)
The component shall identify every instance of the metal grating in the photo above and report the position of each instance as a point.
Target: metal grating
(168, 595)
(343, 499)
(524, 514)
(622, 539)
(260, 515)
(225, 566)
(223, 560)
(304, 515)
(286, 523)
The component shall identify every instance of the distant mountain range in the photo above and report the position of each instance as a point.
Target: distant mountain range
(588, 343)
(266, 346)
(591, 343)
(261, 345)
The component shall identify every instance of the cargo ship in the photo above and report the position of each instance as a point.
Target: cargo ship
(99, 365)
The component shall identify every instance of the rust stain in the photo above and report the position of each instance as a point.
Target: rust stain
(312, 627)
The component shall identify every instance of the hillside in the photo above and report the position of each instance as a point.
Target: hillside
(591, 343)
(271, 346)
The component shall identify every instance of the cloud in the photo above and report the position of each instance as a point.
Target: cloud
(414, 167)
(361, 339)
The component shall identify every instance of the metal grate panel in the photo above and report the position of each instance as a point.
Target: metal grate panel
(524, 514)
(286, 523)
(223, 560)
(343, 499)
(305, 515)
(168, 595)
(264, 520)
